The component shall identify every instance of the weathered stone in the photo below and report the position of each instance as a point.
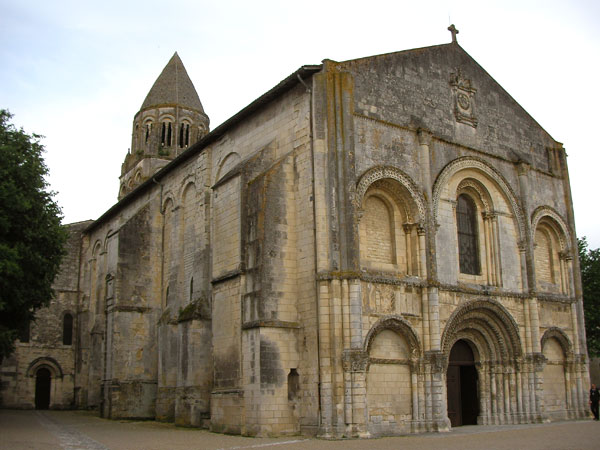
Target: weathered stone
(300, 268)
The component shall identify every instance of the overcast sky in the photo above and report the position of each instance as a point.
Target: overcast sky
(78, 71)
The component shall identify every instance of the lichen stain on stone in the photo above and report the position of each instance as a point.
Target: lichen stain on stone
(271, 372)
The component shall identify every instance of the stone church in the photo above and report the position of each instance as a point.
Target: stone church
(373, 247)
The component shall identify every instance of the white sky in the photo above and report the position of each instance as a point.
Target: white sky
(78, 71)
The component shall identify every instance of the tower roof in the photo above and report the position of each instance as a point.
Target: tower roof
(173, 86)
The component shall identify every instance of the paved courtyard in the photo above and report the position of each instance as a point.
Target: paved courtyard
(81, 430)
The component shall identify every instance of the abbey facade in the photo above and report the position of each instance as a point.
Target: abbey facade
(373, 247)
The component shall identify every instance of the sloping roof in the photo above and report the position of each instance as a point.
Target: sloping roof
(173, 86)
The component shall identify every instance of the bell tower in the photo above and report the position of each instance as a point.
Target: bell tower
(170, 120)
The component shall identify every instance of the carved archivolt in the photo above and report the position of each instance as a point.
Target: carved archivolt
(563, 232)
(400, 326)
(488, 320)
(561, 337)
(469, 162)
(383, 172)
(470, 184)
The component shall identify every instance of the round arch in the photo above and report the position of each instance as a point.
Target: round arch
(562, 230)
(226, 164)
(406, 190)
(399, 325)
(495, 324)
(46, 362)
(469, 162)
(561, 337)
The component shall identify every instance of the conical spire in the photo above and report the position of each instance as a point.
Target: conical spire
(173, 86)
(170, 120)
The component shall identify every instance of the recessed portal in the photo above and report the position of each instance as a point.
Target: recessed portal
(42, 389)
(461, 385)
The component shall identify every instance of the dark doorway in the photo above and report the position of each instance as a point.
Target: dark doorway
(42, 389)
(461, 384)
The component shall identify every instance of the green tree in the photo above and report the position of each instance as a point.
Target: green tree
(31, 236)
(590, 280)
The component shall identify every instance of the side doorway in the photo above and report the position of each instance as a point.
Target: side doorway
(43, 381)
(462, 386)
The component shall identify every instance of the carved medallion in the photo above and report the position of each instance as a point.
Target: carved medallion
(464, 99)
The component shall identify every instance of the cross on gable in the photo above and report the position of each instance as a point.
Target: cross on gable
(454, 32)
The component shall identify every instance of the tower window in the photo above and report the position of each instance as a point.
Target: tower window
(166, 134)
(184, 135)
(148, 131)
(468, 245)
(67, 329)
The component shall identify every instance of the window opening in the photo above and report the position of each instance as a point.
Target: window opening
(468, 245)
(293, 384)
(67, 329)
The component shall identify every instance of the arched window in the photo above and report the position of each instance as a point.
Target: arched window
(184, 135)
(468, 243)
(166, 133)
(67, 329)
(148, 130)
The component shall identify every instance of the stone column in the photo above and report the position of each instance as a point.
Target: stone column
(414, 388)
(489, 248)
(325, 375)
(422, 252)
(519, 392)
(438, 363)
(483, 393)
(408, 227)
(355, 364)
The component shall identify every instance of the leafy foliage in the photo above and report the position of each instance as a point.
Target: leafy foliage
(31, 237)
(590, 278)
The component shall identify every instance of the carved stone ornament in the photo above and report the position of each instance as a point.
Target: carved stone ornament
(437, 360)
(355, 360)
(464, 99)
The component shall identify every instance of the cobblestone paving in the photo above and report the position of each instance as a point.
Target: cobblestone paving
(78, 430)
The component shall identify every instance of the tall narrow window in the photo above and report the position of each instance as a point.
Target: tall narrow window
(163, 133)
(184, 135)
(168, 144)
(67, 329)
(148, 130)
(191, 289)
(468, 246)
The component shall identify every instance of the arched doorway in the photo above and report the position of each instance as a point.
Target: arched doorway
(461, 385)
(42, 388)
